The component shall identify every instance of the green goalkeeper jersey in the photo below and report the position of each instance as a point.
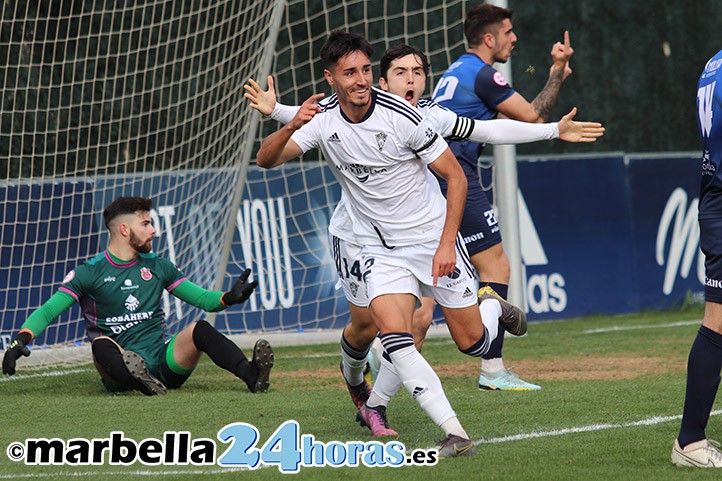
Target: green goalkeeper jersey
(123, 300)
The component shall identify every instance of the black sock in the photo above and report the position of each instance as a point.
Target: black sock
(223, 352)
(703, 379)
(108, 356)
(497, 344)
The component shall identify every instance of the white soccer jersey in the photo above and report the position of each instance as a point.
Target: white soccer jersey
(381, 164)
(448, 125)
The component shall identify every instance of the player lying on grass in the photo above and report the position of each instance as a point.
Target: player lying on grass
(120, 292)
(404, 70)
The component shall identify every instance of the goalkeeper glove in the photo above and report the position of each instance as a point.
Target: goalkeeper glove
(17, 348)
(240, 291)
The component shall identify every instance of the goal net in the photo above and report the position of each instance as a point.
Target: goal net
(103, 99)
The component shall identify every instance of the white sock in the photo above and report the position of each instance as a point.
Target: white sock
(386, 386)
(453, 426)
(420, 380)
(490, 311)
(492, 365)
(354, 363)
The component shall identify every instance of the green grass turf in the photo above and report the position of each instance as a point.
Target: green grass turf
(598, 383)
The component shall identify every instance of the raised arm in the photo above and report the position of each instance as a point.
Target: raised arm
(540, 109)
(450, 170)
(278, 147)
(265, 101)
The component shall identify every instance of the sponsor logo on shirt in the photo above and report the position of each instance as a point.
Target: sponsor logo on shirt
(109, 279)
(128, 285)
(131, 303)
(334, 138)
(361, 172)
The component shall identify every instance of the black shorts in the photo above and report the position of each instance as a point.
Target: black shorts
(479, 227)
(710, 233)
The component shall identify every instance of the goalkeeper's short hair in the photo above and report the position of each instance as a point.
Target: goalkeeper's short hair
(126, 205)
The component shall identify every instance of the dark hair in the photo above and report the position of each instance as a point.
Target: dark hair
(480, 18)
(126, 205)
(402, 50)
(340, 43)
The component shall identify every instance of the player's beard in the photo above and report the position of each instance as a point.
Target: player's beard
(142, 247)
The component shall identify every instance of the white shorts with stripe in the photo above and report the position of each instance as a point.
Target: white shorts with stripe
(407, 270)
(351, 270)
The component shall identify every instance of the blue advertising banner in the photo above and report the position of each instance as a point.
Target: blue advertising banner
(600, 234)
(664, 195)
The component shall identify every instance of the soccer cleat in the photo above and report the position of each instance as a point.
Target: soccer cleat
(375, 419)
(701, 454)
(359, 394)
(145, 381)
(263, 360)
(512, 319)
(504, 380)
(454, 446)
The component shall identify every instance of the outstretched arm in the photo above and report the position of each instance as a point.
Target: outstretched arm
(278, 147)
(265, 101)
(506, 131)
(213, 301)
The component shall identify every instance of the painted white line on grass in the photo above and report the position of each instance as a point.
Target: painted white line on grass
(648, 326)
(585, 429)
(20, 377)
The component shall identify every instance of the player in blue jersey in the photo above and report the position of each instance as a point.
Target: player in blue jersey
(692, 448)
(471, 87)
(120, 292)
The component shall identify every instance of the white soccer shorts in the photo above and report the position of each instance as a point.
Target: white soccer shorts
(407, 270)
(351, 270)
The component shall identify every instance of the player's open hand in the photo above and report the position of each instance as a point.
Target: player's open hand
(571, 131)
(16, 349)
(241, 290)
(444, 261)
(307, 111)
(262, 100)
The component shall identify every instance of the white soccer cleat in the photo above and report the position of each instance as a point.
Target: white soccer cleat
(700, 454)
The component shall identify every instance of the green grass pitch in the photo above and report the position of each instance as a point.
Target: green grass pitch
(609, 409)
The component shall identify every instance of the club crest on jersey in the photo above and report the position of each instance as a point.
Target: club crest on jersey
(145, 274)
(381, 140)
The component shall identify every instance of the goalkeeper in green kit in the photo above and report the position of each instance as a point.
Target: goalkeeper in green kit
(120, 293)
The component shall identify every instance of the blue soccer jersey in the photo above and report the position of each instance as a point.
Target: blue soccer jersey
(471, 88)
(709, 122)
